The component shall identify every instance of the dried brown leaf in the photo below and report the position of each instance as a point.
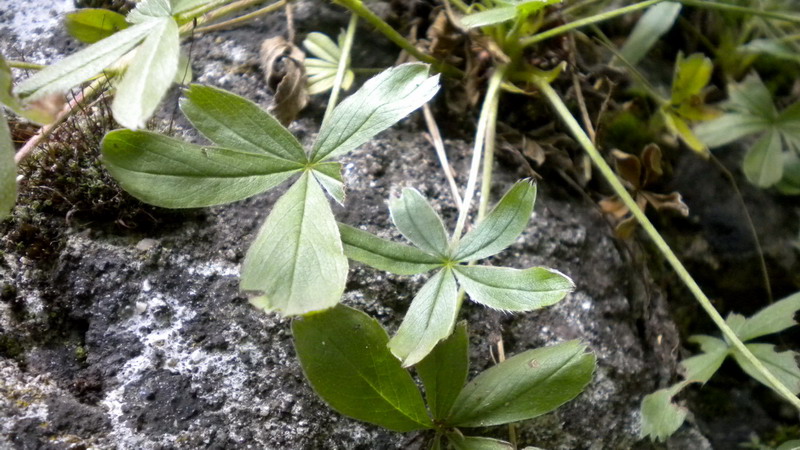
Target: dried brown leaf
(628, 167)
(282, 63)
(651, 160)
(672, 202)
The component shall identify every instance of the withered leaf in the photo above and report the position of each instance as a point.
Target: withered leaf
(282, 63)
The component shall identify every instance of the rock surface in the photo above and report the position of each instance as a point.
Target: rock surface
(142, 340)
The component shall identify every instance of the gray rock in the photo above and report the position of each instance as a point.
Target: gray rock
(142, 340)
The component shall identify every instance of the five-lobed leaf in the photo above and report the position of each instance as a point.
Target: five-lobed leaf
(90, 25)
(543, 379)
(772, 319)
(419, 223)
(344, 356)
(232, 121)
(502, 225)
(8, 169)
(444, 371)
(509, 289)
(429, 319)
(377, 105)
(296, 263)
(171, 173)
(150, 73)
(322, 69)
(385, 255)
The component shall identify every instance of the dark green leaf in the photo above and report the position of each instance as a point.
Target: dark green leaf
(783, 365)
(382, 101)
(763, 163)
(444, 371)
(84, 64)
(385, 255)
(296, 263)
(513, 289)
(344, 356)
(174, 174)
(790, 183)
(502, 225)
(772, 319)
(8, 169)
(149, 75)
(429, 319)
(461, 442)
(543, 380)
(90, 25)
(660, 417)
(232, 121)
(654, 23)
(419, 223)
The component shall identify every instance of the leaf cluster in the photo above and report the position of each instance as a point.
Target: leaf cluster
(661, 417)
(322, 69)
(296, 263)
(432, 313)
(750, 110)
(344, 355)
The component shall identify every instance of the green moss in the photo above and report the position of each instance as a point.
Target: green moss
(11, 348)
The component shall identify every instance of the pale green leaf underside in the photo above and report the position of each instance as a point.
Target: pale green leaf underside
(513, 289)
(429, 319)
(489, 17)
(502, 225)
(344, 356)
(419, 223)
(763, 162)
(524, 386)
(700, 368)
(8, 169)
(233, 121)
(772, 319)
(147, 10)
(174, 174)
(382, 101)
(752, 96)
(329, 175)
(385, 255)
(149, 75)
(654, 23)
(296, 263)
(782, 364)
(179, 6)
(660, 417)
(729, 128)
(84, 64)
(444, 371)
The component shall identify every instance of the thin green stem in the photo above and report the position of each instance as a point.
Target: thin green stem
(357, 7)
(573, 125)
(341, 70)
(219, 13)
(25, 65)
(200, 10)
(489, 103)
(488, 158)
(779, 15)
(586, 21)
(242, 19)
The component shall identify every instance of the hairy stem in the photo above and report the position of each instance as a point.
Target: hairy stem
(574, 127)
(344, 60)
(586, 21)
(488, 157)
(438, 145)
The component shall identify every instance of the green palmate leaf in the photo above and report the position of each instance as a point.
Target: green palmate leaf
(660, 417)
(763, 163)
(790, 183)
(444, 371)
(772, 319)
(382, 101)
(654, 23)
(232, 121)
(752, 97)
(8, 169)
(385, 255)
(701, 367)
(783, 365)
(489, 17)
(149, 75)
(502, 225)
(344, 356)
(329, 175)
(174, 174)
(730, 128)
(513, 289)
(692, 74)
(543, 380)
(419, 223)
(788, 124)
(429, 319)
(296, 263)
(322, 69)
(91, 25)
(150, 9)
(84, 64)
(461, 442)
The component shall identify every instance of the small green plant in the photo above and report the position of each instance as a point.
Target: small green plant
(432, 313)
(661, 417)
(345, 357)
(322, 69)
(296, 263)
(751, 111)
